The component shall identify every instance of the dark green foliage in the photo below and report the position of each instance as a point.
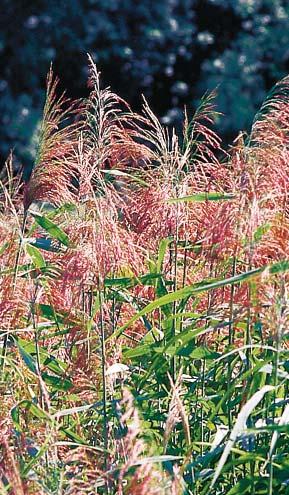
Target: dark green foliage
(172, 51)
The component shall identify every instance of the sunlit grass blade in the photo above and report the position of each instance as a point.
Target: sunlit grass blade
(196, 198)
(125, 175)
(239, 427)
(284, 420)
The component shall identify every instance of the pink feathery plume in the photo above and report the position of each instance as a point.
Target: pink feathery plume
(54, 175)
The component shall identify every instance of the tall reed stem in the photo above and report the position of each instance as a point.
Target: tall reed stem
(103, 370)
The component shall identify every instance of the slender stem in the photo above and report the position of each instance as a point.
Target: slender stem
(4, 351)
(18, 254)
(174, 364)
(174, 273)
(202, 409)
(231, 338)
(275, 376)
(103, 369)
(184, 275)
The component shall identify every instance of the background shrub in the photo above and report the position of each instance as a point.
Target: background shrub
(172, 51)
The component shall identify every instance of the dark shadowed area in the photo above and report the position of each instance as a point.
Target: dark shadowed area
(171, 51)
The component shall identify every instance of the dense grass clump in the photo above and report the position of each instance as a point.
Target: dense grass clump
(143, 306)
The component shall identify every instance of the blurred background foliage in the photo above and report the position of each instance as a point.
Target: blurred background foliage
(172, 51)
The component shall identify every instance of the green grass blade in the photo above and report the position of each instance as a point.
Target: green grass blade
(201, 287)
(197, 198)
(52, 229)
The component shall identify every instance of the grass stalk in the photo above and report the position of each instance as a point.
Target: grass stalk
(103, 374)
